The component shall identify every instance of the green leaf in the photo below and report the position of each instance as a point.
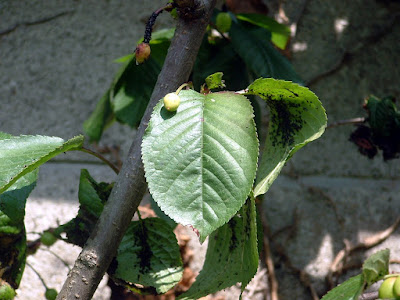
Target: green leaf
(232, 255)
(22, 154)
(214, 81)
(221, 58)
(131, 91)
(297, 118)
(351, 289)
(376, 266)
(149, 255)
(200, 162)
(161, 214)
(92, 197)
(12, 201)
(279, 33)
(89, 200)
(254, 47)
(100, 119)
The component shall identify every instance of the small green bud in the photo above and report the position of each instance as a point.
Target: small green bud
(171, 101)
(223, 22)
(48, 238)
(51, 294)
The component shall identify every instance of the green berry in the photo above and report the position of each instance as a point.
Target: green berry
(171, 101)
(48, 238)
(386, 288)
(6, 291)
(396, 287)
(223, 22)
(51, 294)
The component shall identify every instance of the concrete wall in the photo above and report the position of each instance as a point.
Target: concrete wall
(56, 60)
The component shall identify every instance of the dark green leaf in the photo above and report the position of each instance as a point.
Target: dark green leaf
(12, 201)
(149, 255)
(200, 161)
(21, 155)
(254, 47)
(232, 255)
(351, 289)
(279, 33)
(376, 266)
(92, 196)
(100, 119)
(297, 118)
(220, 58)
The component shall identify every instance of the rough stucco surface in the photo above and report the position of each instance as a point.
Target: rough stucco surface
(56, 62)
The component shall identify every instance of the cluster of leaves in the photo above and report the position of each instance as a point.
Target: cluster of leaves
(381, 131)
(247, 49)
(200, 173)
(373, 270)
(201, 161)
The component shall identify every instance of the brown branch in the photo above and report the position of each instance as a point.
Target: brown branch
(130, 185)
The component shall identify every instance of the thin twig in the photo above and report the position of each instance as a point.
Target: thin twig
(38, 275)
(59, 257)
(347, 122)
(101, 157)
(273, 282)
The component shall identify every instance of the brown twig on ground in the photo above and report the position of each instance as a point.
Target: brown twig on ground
(347, 122)
(273, 282)
(338, 263)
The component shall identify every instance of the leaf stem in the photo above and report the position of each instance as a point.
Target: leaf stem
(101, 157)
(38, 275)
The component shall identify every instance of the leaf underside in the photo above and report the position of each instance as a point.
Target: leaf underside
(200, 162)
(232, 255)
(348, 290)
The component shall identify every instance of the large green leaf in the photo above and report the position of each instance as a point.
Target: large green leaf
(279, 33)
(297, 118)
(232, 255)
(149, 255)
(376, 266)
(200, 162)
(20, 155)
(254, 46)
(348, 290)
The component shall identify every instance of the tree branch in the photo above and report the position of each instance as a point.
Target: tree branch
(130, 185)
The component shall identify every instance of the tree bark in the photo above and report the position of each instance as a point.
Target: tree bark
(130, 186)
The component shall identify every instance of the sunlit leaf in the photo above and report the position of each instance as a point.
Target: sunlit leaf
(200, 162)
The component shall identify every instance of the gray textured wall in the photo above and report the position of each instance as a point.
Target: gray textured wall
(56, 61)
